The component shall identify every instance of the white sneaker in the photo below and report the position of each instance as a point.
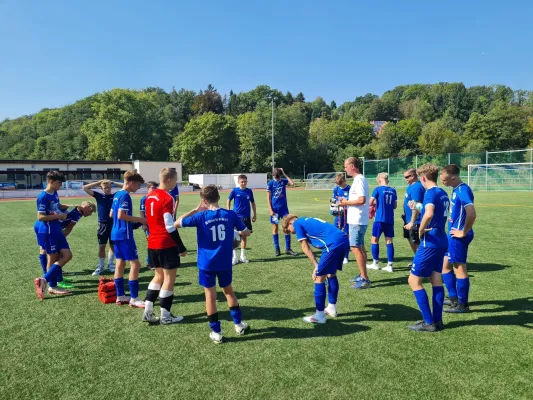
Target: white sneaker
(331, 311)
(374, 266)
(98, 271)
(136, 303)
(111, 268)
(241, 328)
(388, 268)
(150, 317)
(345, 261)
(315, 319)
(234, 261)
(243, 259)
(216, 337)
(171, 319)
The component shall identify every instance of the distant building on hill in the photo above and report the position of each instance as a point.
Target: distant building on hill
(378, 126)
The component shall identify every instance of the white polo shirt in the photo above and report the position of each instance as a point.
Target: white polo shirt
(358, 215)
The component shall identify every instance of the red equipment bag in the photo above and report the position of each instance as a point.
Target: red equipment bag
(107, 292)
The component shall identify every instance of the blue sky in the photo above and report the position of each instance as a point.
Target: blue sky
(55, 52)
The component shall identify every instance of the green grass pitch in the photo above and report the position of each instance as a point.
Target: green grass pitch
(77, 348)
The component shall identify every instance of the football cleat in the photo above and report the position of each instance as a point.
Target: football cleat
(374, 266)
(450, 301)
(243, 259)
(356, 279)
(289, 252)
(171, 319)
(388, 268)
(458, 309)
(314, 319)
(136, 303)
(58, 290)
(421, 326)
(216, 337)
(331, 311)
(122, 300)
(278, 253)
(98, 271)
(241, 328)
(40, 287)
(362, 284)
(150, 317)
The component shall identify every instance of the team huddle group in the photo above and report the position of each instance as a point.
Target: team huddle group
(426, 210)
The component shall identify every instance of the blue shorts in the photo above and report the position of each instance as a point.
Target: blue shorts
(281, 213)
(126, 250)
(382, 227)
(357, 235)
(207, 279)
(458, 248)
(343, 227)
(52, 242)
(331, 261)
(428, 260)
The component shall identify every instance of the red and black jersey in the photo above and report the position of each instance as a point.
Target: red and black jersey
(159, 203)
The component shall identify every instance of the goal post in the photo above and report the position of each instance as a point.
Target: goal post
(322, 180)
(503, 177)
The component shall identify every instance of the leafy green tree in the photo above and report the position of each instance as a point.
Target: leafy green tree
(437, 139)
(208, 101)
(207, 145)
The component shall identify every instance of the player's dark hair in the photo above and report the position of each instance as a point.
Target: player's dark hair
(133, 176)
(242, 176)
(411, 171)
(55, 176)
(452, 169)
(210, 194)
(277, 173)
(152, 184)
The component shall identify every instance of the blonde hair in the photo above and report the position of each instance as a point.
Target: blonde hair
(339, 178)
(105, 182)
(430, 171)
(286, 221)
(384, 176)
(168, 173)
(90, 205)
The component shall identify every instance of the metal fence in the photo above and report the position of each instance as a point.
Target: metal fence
(395, 167)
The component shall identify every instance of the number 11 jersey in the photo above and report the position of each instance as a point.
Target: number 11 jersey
(386, 198)
(214, 232)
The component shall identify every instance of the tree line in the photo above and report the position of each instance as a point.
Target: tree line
(212, 133)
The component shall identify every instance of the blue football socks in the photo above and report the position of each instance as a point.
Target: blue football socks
(449, 281)
(134, 288)
(463, 287)
(423, 304)
(287, 242)
(275, 238)
(375, 251)
(438, 302)
(320, 296)
(390, 252)
(333, 290)
(119, 285)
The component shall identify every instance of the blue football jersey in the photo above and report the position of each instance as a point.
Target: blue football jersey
(142, 207)
(104, 203)
(214, 233)
(462, 197)
(414, 192)
(385, 201)
(339, 192)
(174, 192)
(48, 204)
(242, 199)
(278, 193)
(121, 230)
(436, 237)
(319, 233)
(73, 216)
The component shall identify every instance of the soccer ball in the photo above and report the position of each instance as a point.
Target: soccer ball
(236, 239)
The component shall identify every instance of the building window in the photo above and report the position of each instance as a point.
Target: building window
(85, 173)
(12, 174)
(113, 173)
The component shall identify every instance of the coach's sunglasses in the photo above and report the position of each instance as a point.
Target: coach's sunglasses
(407, 176)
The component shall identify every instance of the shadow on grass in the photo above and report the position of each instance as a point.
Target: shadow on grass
(518, 312)
(483, 267)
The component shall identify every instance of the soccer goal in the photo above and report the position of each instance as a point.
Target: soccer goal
(512, 176)
(322, 180)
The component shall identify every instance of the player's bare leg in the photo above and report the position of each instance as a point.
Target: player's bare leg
(243, 258)
(235, 310)
(360, 257)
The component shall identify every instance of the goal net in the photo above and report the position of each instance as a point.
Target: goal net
(512, 176)
(322, 180)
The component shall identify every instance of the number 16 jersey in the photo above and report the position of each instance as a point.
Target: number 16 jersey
(214, 233)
